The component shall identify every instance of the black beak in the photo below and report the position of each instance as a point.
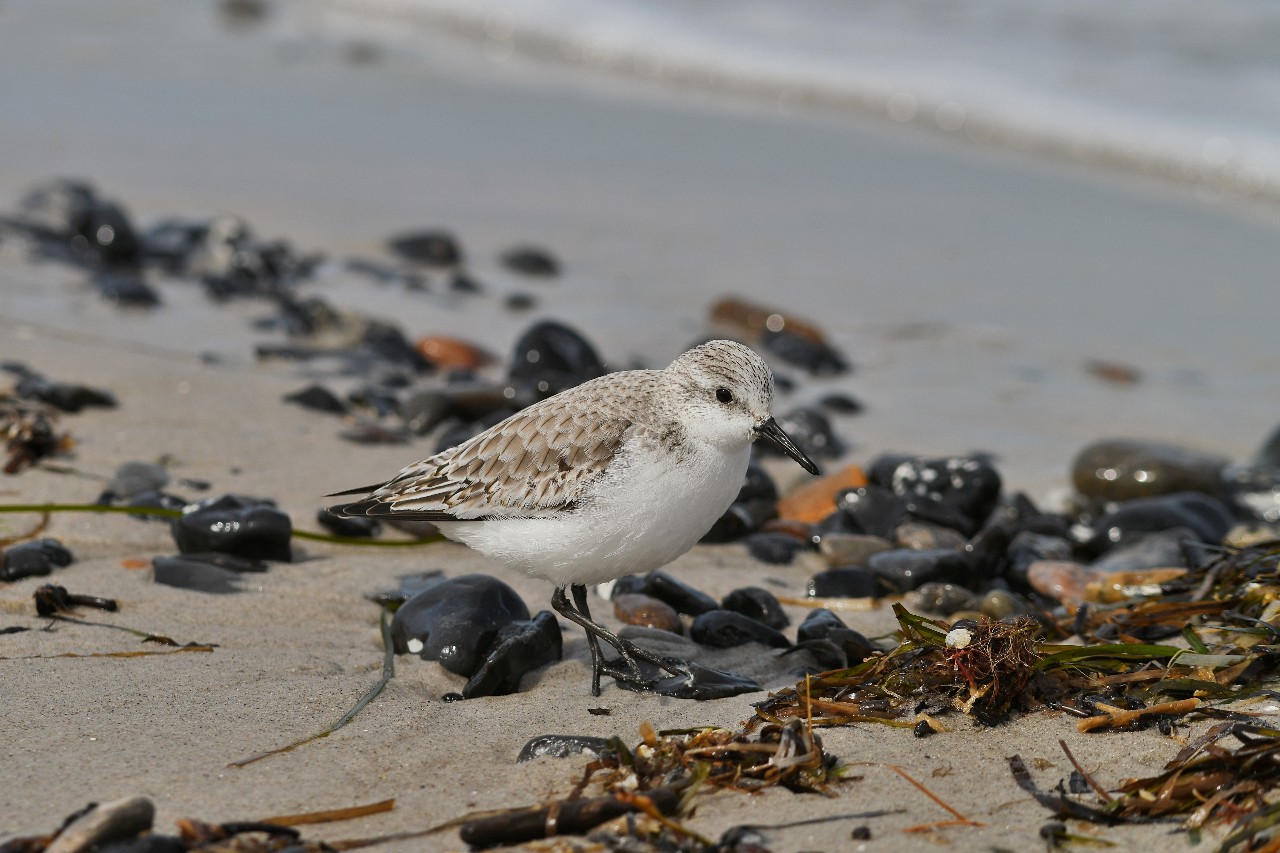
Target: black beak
(779, 439)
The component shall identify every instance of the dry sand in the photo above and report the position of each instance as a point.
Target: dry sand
(969, 289)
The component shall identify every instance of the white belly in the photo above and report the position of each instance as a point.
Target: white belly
(644, 514)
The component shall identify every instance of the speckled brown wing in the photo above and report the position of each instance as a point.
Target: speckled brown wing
(542, 459)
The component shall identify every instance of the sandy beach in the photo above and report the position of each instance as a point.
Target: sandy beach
(969, 287)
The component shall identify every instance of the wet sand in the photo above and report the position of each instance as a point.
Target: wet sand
(968, 287)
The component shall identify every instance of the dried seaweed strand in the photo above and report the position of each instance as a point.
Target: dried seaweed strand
(388, 672)
(1123, 717)
(330, 815)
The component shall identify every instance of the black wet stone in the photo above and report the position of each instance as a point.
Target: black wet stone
(700, 682)
(214, 573)
(841, 404)
(1269, 453)
(1125, 469)
(1162, 549)
(354, 527)
(1027, 547)
(461, 282)
(561, 746)
(684, 598)
(521, 647)
(956, 491)
(389, 343)
(1254, 491)
(817, 357)
(872, 510)
(67, 396)
(133, 478)
(812, 432)
(851, 582)
(550, 357)
(906, 568)
(822, 629)
(457, 621)
(726, 629)
(755, 505)
(380, 401)
(317, 398)
(777, 549)
(423, 411)
(1206, 516)
(531, 261)
(429, 247)
(36, 558)
(760, 604)
(126, 289)
(233, 524)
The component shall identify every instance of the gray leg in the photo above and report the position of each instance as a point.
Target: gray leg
(629, 651)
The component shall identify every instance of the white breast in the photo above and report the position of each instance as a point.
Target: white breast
(650, 508)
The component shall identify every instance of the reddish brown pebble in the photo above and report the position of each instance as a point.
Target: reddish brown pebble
(1061, 580)
(647, 612)
(814, 500)
(752, 321)
(451, 353)
(794, 529)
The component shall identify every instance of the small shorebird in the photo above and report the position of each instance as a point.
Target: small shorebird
(619, 475)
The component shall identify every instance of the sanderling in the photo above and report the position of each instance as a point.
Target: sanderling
(617, 476)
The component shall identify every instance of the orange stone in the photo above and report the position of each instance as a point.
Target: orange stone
(750, 320)
(814, 500)
(452, 353)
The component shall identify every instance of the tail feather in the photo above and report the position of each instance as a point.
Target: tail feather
(374, 508)
(358, 490)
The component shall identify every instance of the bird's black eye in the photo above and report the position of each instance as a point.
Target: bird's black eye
(724, 395)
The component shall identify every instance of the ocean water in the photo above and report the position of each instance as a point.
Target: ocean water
(1182, 89)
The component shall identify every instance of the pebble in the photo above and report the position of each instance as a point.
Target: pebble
(66, 396)
(845, 583)
(850, 549)
(905, 569)
(126, 289)
(1119, 469)
(1147, 551)
(103, 824)
(760, 604)
(822, 626)
(1028, 547)
(1254, 490)
(647, 612)
(684, 598)
(817, 357)
(214, 573)
(430, 248)
(561, 746)
(233, 524)
(815, 499)
(871, 510)
(520, 648)
(132, 478)
(531, 261)
(777, 549)
(1269, 453)
(450, 353)
(318, 399)
(1205, 516)
(725, 629)
(955, 491)
(941, 598)
(922, 536)
(35, 558)
(389, 343)
(550, 357)
(841, 404)
(1000, 603)
(457, 621)
(1061, 580)
(423, 411)
(755, 505)
(1112, 587)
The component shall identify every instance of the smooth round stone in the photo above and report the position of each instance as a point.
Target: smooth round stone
(741, 519)
(1269, 453)
(132, 478)
(954, 491)
(319, 399)
(561, 746)
(1111, 587)
(812, 432)
(531, 261)
(999, 603)
(647, 612)
(355, 527)
(550, 357)
(941, 598)
(920, 536)
(36, 558)
(1254, 490)
(1147, 551)
(872, 510)
(1123, 469)
(760, 604)
(214, 573)
(725, 629)
(777, 549)
(451, 353)
(1061, 580)
(905, 569)
(235, 525)
(1028, 547)
(1205, 516)
(845, 583)
(432, 248)
(841, 404)
(457, 621)
(824, 626)
(850, 549)
(816, 356)
(684, 598)
(423, 411)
